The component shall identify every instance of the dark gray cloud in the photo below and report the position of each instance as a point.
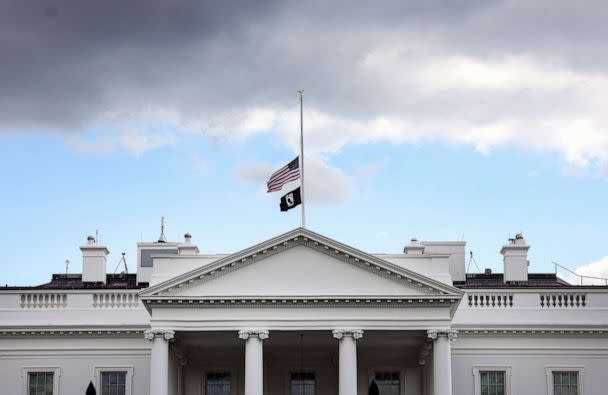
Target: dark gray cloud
(475, 72)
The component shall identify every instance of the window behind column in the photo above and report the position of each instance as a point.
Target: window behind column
(218, 383)
(113, 383)
(40, 383)
(388, 383)
(302, 383)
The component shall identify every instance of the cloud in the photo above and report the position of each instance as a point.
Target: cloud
(370, 168)
(325, 184)
(480, 73)
(198, 164)
(134, 143)
(598, 269)
(255, 172)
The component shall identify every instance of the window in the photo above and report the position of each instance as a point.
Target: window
(40, 383)
(565, 380)
(302, 383)
(565, 383)
(492, 380)
(113, 383)
(218, 383)
(388, 383)
(113, 380)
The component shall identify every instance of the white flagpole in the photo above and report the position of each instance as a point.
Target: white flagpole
(301, 92)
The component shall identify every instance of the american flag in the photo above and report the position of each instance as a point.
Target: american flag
(285, 174)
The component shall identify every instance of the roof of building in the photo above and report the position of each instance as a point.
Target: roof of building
(74, 281)
(496, 280)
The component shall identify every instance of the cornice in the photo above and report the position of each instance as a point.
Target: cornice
(282, 302)
(493, 332)
(317, 242)
(72, 332)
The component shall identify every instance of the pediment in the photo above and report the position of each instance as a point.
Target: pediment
(300, 264)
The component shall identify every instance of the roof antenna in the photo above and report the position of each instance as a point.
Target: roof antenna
(472, 259)
(123, 260)
(67, 264)
(97, 236)
(161, 238)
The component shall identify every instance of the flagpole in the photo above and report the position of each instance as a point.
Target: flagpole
(301, 92)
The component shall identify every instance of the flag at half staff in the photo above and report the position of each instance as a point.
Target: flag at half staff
(285, 174)
(291, 200)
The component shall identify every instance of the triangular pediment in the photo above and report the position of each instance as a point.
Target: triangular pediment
(300, 264)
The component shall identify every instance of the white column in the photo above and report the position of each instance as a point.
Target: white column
(347, 382)
(159, 360)
(254, 360)
(442, 359)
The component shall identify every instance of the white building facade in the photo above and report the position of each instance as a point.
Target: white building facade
(302, 314)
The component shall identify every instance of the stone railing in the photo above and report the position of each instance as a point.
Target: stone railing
(563, 299)
(115, 300)
(43, 301)
(490, 299)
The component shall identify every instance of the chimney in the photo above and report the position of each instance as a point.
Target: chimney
(414, 248)
(187, 248)
(515, 258)
(94, 261)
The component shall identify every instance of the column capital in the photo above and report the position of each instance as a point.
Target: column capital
(247, 333)
(451, 334)
(355, 333)
(166, 334)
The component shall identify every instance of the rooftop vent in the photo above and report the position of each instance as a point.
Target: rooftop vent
(414, 248)
(488, 271)
(187, 248)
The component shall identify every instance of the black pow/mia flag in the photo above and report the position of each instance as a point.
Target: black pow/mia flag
(291, 200)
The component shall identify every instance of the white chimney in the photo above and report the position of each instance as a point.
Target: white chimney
(94, 261)
(187, 248)
(515, 258)
(414, 248)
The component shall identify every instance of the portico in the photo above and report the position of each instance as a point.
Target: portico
(302, 294)
(274, 364)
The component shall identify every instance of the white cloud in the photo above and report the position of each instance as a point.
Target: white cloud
(255, 172)
(484, 74)
(325, 184)
(366, 170)
(134, 143)
(198, 164)
(597, 269)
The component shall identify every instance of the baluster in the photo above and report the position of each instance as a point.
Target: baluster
(542, 300)
(511, 300)
(584, 297)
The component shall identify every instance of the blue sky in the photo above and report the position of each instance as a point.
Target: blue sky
(441, 120)
(55, 195)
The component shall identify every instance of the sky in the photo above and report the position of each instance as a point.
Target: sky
(461, 120)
